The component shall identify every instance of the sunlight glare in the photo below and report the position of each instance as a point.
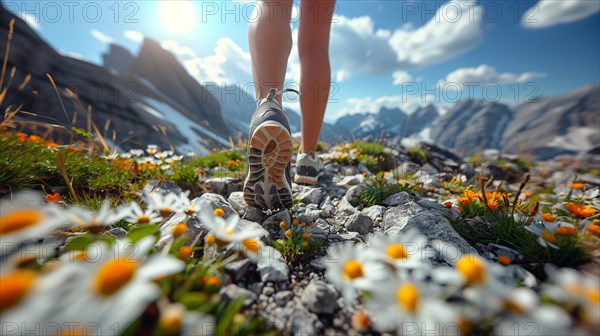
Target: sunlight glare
(177, 16)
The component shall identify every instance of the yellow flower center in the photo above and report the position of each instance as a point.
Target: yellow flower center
(593, 295)
(219, 212)
(352, 269)
(19, 220)
(512, 306)
(73, 331)
(179, 229)
(251, 245)
(408, 297)
(471, 268)
(548, 236)
(80, 256)
(14, 286)
(184, 253)
(396, 251)
(143, 219)
(565, 230)
(210, 239)
(113, 275)
(171, 319)
(165, 212)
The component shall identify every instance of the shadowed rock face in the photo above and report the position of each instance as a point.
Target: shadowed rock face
(472, 125)
(565, 124)
(145, 99)
(110, 96)
(168, 76)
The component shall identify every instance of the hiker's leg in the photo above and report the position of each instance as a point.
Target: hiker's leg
(315, 72)
(270, 42)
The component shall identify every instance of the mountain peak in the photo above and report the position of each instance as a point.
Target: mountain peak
(117, 58)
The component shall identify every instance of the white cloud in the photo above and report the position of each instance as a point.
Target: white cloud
(30, 19)
(100, 36)
(401, 77)
(73, 54)
(486, 74)
(548, 13)
(229, 64)
(357, 48)
(134, 35)
(453, 30)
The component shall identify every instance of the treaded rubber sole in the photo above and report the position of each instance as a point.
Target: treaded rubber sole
(306, 179)
(269, 153)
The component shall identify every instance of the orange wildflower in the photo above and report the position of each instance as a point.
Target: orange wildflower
(594, 228)
(448, 204)
(53, 198)
(470, 195)
(580, 210)
(504, 260)
(464, 201)
(493, 205)
(35, 138)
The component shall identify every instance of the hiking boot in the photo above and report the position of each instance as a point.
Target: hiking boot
(268, 185)
(308, 169)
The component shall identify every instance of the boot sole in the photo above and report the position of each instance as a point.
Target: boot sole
(300, 179)
(269, 153)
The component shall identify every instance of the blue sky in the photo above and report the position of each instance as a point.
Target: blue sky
(399, 53)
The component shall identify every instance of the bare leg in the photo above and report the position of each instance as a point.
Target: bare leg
(315, 71)
(270, 42)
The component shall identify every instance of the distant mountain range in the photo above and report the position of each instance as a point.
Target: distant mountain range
(150, 98)
(541, 128)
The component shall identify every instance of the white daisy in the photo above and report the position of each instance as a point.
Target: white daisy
(113, 285)
(411, 307)
(403, 250)
(94, 221)
(29, 299)
(230, 231)
(175, 319)
(136, 152)
(110, 157)
(152, 149)
(27, 217)
(166, 204)
(134, 214)
(523, 313)
(575, 289)
(481, 278)
(351, 267)
(546, 232)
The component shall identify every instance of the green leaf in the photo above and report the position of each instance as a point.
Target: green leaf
(81, 131)
(79, 243)
(138, 232)
(193, 300)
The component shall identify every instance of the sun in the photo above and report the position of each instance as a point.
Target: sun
(177, 16)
